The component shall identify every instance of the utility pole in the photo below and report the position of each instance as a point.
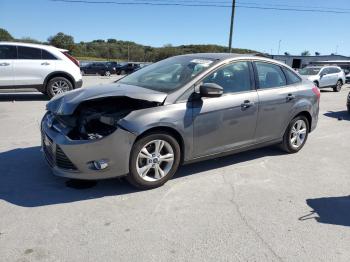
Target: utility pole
(128, 53)
(231, 26)
(279, 47)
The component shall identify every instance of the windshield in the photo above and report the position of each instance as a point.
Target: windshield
(169, 74)
(309, 71)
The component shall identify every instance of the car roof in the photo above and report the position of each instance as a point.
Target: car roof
(218, 56)
(221, 57)
(32, 45)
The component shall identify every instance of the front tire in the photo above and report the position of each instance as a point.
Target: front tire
(107, 73)
(154, 159)
(296, 135)
(58, 85)
(338, 86)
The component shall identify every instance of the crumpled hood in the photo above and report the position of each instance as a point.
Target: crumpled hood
(66, 104)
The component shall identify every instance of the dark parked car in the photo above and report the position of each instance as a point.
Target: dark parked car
(179, 110)
(100, 68)
(348, 103)
(347, 75)
(127, 68)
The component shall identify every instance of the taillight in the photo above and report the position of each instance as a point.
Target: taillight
(316, 92)
(73, 59)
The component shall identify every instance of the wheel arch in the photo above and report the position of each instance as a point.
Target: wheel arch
(308, 117)
(169, 130)
(58, 74)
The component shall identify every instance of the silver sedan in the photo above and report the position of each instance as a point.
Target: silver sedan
(182, 109)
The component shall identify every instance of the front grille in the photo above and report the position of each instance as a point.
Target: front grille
(54, 154)
(48, 149)
(62, 160)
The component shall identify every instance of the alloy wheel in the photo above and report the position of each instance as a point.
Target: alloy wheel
(339, 85)
(155, 160)
(298, 134)
(60, 87)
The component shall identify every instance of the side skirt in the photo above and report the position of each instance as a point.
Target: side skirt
(234, 151)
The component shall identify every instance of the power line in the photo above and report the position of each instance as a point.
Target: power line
(247, 3)
(205, 4)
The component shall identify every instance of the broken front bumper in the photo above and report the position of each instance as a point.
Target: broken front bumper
(74, 158)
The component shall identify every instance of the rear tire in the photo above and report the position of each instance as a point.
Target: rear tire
(58, 85)
(150, 168)
(296, 135)
(338, 86)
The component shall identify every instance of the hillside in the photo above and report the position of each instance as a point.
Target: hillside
(113, 49)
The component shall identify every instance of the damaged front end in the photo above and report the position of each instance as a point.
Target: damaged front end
(81, 135)
(95, 119)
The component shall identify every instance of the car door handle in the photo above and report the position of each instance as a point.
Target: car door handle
(45, 63)
(4, 64)
(246, 104)
(290, 97)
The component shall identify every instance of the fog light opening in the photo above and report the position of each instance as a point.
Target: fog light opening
(100, 164)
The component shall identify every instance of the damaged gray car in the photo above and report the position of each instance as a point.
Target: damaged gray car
(179, 110)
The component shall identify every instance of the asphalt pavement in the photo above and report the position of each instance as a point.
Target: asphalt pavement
(261, 205)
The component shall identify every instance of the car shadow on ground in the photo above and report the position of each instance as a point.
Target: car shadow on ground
(27, 181)
(329, 210)
(340, 115)
(10, 97)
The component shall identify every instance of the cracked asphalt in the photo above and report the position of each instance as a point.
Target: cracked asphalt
(261, 205)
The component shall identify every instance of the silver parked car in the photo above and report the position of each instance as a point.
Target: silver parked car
(326, 76)
(179, 110)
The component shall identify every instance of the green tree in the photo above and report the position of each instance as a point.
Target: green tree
(305, 53)
(111, 41)
(5, 35)
(29, 40)
(62, 40)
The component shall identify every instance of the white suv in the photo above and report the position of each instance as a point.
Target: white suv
(46, 68)
(325, 76)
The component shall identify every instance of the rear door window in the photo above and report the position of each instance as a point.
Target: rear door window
(8, 52)
(270, 75)
(29, 53)
(336, 70)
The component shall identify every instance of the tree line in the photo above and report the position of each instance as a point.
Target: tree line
(113, 49)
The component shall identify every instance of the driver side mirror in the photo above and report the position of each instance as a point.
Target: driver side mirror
(210, 90)
(323, 74)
